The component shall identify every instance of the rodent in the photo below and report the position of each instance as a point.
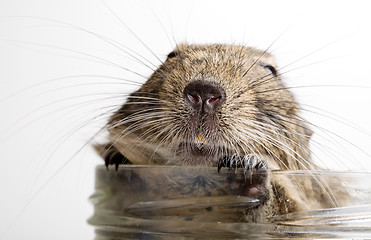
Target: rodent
(219, 105)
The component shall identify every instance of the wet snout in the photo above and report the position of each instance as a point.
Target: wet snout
(204, 96)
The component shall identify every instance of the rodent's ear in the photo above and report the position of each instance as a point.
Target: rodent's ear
(307, 131)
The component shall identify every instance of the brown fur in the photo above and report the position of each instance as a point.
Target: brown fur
(260, 116)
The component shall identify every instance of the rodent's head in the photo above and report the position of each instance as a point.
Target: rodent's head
(209, 101)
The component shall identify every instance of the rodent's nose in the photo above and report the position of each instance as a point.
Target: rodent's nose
(204, 96)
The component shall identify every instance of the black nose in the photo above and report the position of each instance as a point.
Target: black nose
(204, 96)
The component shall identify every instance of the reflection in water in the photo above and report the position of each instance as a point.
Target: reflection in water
(141, 202)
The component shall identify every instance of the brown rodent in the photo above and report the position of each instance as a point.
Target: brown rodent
(219, 105)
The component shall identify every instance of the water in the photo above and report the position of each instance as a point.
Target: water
(158, 202)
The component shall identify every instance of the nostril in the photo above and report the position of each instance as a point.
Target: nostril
(213, 100)
(204, 96)
(195, 99)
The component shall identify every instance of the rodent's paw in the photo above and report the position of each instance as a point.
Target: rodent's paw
(247, 162)
(250, 177)
(116, 160)
(111, 155)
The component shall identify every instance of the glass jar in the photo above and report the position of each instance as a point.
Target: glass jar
(178, 202)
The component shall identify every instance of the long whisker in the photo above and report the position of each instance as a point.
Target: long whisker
(264, 52)
(49, 81)
(282, 146)
(70, 108)
(90, 57)
(132, 32)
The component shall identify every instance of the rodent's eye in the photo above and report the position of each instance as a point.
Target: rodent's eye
(271, 70)
(173, 54)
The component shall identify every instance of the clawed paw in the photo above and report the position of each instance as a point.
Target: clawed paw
(247, 162)
(252, 181)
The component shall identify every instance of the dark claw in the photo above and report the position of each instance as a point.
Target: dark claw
(248, 162)
(228, 162)
(224, 162)
(111, 155)
(116, 159)
(260, 165)
(117, 165)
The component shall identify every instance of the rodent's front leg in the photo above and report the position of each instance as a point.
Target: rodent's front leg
(254, 180)
(111, 155)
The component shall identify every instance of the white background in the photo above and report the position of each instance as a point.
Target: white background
(46, 180)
